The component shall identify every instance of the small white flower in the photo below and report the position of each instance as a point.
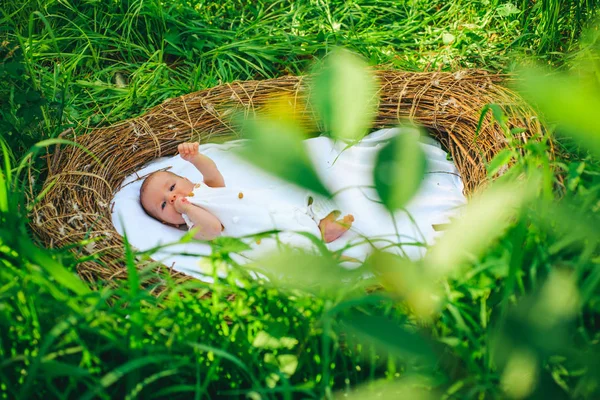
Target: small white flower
(450, 102)
(458, 75)
(136, 130)
(209, 107)
(77, 217)
(75, 206)
(90, 247)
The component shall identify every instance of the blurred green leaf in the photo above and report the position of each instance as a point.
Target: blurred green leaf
(407, 279)
(579, 229)
(223, 245)
(6, 156)
(497, 113)
(413, 387)
(134, 288)
(300, 268)
(287, 363)
(344, 94)
(484, 219)
(276, 146)
(574, 174)
(399, 170)
(265, 341)
(390, 336)
(3, 194)
(500, 160)
(520, 375)
(571, 102)
(537, 328)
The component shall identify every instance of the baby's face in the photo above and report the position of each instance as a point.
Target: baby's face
(160, 195)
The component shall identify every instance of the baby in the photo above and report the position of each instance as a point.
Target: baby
(211, 208)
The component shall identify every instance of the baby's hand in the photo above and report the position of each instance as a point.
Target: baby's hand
(188, 151)
(181, 205)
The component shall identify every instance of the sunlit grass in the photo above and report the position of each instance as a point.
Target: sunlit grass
(514, 313)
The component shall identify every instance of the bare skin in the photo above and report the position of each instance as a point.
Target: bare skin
(332, 228)
(165, 198)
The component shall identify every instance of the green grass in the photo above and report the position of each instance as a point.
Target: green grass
(76, 55)
(79, 64)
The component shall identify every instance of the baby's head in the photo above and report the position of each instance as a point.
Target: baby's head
(159, 192)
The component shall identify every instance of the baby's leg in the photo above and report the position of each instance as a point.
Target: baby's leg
(331, 228)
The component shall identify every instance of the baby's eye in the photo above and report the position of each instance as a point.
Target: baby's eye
(172, 187)
(163, 205)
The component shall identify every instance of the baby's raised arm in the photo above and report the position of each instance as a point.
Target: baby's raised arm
(206, 166)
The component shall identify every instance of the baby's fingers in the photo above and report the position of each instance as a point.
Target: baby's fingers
(184, 150)
(189, 147)
(188, 150)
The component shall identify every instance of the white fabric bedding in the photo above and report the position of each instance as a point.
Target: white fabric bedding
(348, 173)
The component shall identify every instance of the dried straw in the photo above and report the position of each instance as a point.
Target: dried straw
(80, 189)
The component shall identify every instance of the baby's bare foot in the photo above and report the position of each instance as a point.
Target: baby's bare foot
(332, 229)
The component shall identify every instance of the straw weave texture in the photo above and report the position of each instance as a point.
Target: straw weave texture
(77, 205)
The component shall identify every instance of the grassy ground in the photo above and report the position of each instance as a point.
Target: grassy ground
(78, 64)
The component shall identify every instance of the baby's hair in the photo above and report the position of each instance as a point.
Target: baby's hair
(144, 187)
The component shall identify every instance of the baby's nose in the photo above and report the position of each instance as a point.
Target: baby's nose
(172, 198)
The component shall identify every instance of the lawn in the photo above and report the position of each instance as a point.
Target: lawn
(515, 318)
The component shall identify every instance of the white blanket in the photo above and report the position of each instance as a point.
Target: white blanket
(348, 173)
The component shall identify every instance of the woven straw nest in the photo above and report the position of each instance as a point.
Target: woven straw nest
(77, 204)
